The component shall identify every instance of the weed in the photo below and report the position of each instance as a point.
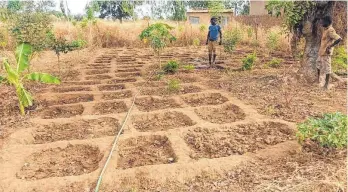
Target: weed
(274, 63)
(250, 32)
(329, 131)
(339, 60)
(272, 41)
(171, 67)
(249, 61)
(196, 42)
(173, 85)
(189, 67)
(202, 28)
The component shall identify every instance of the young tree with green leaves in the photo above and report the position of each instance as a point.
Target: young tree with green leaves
(158, 35)
(16, 76)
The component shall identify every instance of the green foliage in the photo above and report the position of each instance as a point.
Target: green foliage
(215, 8)
(159, 35)
(31, 28)
(329, 131)
(189, 67)
(294, 11)
(116, 9)
(250, 32)
(273, 39)
(202, 28)
(249, 61)
(84, 22)
(178, 10)
(196, 42)
(339, 59)
(15, 77)
(275, 63)
(231, 39)
(171, 67)
(173, 85)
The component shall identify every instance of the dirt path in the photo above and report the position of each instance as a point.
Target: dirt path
(168, 136)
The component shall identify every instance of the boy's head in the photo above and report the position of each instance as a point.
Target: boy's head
(326, 21)
(213, 20)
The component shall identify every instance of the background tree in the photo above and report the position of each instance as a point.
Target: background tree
(302, 19)
(117, 9)
(177, 10)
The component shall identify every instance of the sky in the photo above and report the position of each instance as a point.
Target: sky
(75, 6)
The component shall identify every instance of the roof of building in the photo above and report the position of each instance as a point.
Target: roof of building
(207, 11)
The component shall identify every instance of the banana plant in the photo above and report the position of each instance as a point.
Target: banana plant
(17, 78)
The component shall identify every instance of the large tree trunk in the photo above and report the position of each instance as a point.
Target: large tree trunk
(312, 33)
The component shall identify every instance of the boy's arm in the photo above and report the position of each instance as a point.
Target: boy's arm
(337, 39)
(207, 38)
(220, 36)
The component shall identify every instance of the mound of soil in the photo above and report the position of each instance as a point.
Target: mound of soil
(60, 162)
(109, 107)
(151, 103)
(111, 87)
(226, 114)
(121, 80)
(127, 70)
(161, 121)
(98, 77)
(204, 99)
(67, 99)
(70, 89)
(81, 83)
(117, 95)
(96, 72)
(61, 111)
(145, 150)
(132, 74)
(82, 129)
(164, 90)
(151, 84)
(215, 143)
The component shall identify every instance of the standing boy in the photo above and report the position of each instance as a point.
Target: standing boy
(329, 39)
(212, 38)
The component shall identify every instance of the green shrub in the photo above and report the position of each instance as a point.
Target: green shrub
(275, 63)
(173, 85)
(249, 61)
(196, 42)
(250, 32)
(329, 131)
(171, 67)
(202, 28)
(272, 41)
(231, 39)
(339, 59)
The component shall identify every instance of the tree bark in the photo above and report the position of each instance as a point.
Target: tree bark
(312, 33)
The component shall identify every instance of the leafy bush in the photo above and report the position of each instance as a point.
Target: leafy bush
(171, 67)
(173, 85)
(329, 131)
(231, 39)
(339, 59)
(275, 63)
(272, 41)
(202, 28)
(31, 28)
(16, 78)
(249, 61)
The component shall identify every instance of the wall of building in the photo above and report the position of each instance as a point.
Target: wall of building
(258, 8)
(204, 18)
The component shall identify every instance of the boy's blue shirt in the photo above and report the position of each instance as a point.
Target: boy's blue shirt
(214, 32)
